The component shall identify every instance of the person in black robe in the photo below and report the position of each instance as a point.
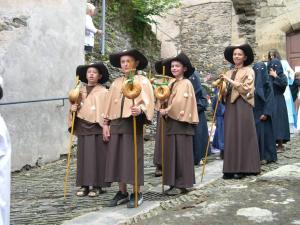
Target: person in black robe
(218, 140)
(201, 135)
(263, 114)
(280, 115)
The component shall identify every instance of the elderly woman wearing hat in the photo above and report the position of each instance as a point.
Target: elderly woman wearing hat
(181, 117)
(91, 153)
(241, 152)
(118, 129)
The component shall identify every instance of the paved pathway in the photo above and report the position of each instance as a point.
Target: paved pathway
(37, 194)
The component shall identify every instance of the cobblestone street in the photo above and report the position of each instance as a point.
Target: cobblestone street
(37, 194)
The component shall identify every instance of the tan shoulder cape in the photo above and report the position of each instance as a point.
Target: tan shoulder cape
(91, 107)
(114, 99)
(245, 78)
(182, 105)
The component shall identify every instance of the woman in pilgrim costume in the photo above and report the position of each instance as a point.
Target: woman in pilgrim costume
(91, 154)
(241, 152)
(181, 120)
(263, 113)
(118, 128)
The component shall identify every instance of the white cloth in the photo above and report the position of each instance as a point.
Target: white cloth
(90, 31)
(290, 74)
(5, 157)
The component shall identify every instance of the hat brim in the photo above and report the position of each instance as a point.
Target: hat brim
(138, 56)
(182, 58)
(82, 69)
(246, 48)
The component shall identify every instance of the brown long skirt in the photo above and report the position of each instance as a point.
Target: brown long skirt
(91, 160)
(120, 155)
(157, 148)
(241, 152)
(178, 155)
(179, 163)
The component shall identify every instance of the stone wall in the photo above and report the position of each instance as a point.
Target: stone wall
(275, 19)
(200, 25)
(205, 30)
(41, 45)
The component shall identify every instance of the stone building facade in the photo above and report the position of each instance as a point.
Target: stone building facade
(203, 28)
(39, 52)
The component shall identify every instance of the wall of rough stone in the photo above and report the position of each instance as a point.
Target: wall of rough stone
(205, 30)
(41, 43)
(275, 19)
(200, 25)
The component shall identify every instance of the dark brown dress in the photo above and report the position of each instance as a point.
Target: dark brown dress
(178, 154)
(241, 152)
(157, 148)
(120, 156)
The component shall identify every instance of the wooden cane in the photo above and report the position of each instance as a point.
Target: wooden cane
(162, 145)
(211, 129)
(135, 162)
(70, 148)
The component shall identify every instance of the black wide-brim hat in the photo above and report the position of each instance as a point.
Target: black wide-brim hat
(138, 56)
(182, 58)
(82, 69)
(228, 53)
(159, 67)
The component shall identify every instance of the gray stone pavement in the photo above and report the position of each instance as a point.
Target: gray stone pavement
(37, 195)
(272, 198)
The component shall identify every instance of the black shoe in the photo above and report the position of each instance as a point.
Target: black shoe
(119, 199)
(227, 176)
(238, 176)
(158, 172)
(222, 155)
(130, 204)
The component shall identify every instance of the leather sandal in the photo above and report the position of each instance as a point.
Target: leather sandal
(83, 191)
(94, 192)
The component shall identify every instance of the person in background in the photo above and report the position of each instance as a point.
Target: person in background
(90, 29)
(5, 162)
(297, 100)
(201, 134)
(218, 140)
(263, 114)
(280, 116)
(290, 75)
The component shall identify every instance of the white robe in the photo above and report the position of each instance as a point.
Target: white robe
(290, 74)
(5, 157)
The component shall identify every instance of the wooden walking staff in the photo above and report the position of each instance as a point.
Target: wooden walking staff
(162, 144)
(221, 85)
(73, 97)
(132, 89)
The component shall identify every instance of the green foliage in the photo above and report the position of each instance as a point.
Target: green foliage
(145, 9)
(136, 15)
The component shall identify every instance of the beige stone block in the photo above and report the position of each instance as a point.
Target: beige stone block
(276, 3)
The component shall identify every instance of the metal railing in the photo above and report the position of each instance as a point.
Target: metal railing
(36, 100)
